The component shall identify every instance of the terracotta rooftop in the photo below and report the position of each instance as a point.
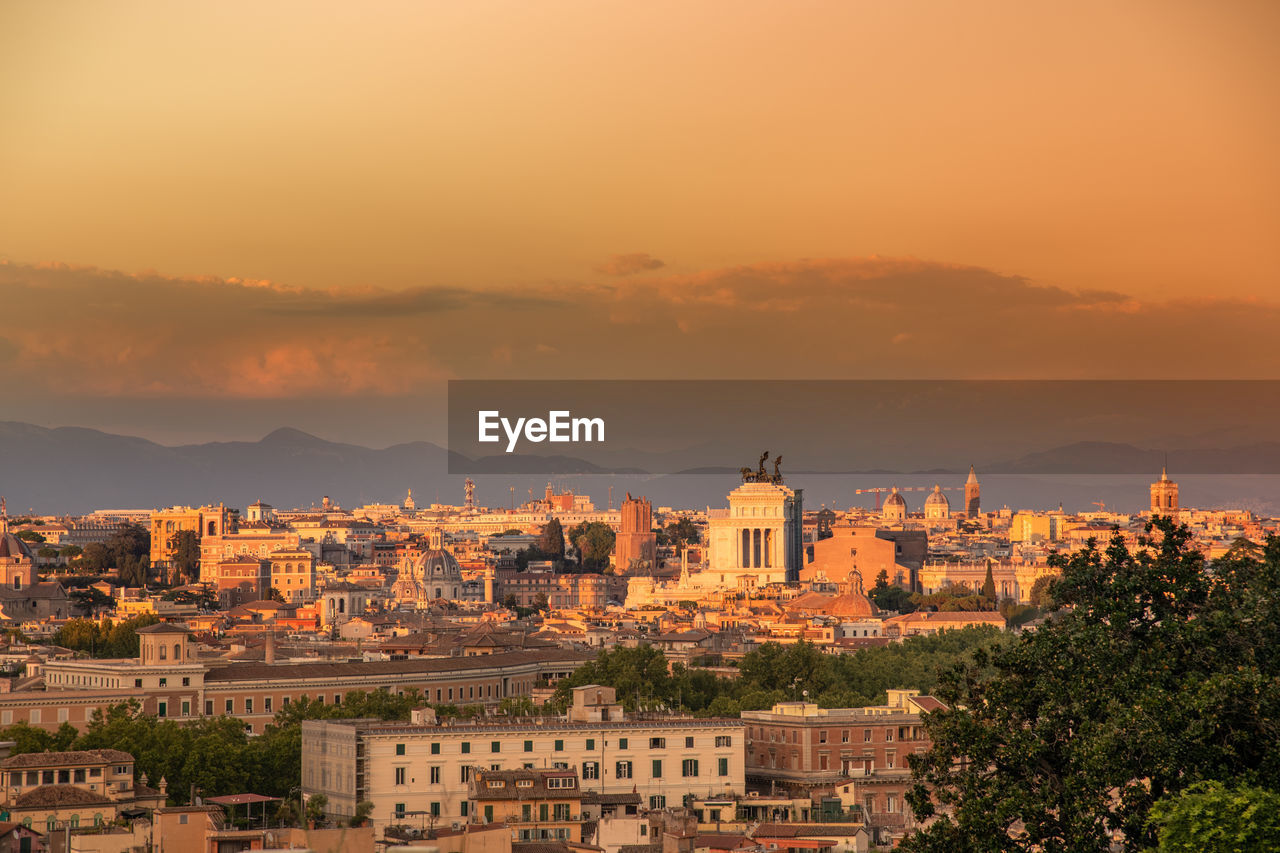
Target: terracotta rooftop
(66, 759)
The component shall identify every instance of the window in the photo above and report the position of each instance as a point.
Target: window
(657, 743)
(689, 767)
(466, 747)
(524, 783)
(495, 784)
(528, 746)
(544, 811)
(622, 770)
(657, 768)
(400, 775)
(164, 682)
(526, 812)
(866, 735)
(561, 811)
(186, 681)
(466, 774)
(622, 743)
(724, 740)
(561, 782)
(186, 708)
(822, 736)
(888, 735)
(162, 709)
(466, 808)
(559, 745)
(137, 682)
(399, 749)
(266, 704)
(435, 776)
(399, 809)
(496, 746)
(248, 706)
(488, 814)
(844, 736)
(590, 770)
(435, 749)
(722, 766)
(890, 803)
(688, 743)
(230, 708)
(658, 802)
(591, 744)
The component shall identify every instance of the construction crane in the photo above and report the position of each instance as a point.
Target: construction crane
(1102, 507)
(878, 489)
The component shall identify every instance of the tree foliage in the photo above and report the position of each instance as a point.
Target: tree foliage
(105, 639)
(594, 541)
(776, 673)
(551, 540)
(1159, 671)
(1209, 816)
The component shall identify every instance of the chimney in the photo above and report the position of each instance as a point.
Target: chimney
(269, 652)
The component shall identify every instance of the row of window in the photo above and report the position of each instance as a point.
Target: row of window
(689, 768)
(558, 744)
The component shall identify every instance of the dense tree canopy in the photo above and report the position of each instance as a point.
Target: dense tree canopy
(776, 673)
(594, 541)
(1158, 671)
(106, 639)
(551, 540)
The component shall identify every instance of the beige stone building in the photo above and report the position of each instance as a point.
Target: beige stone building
(423, 767)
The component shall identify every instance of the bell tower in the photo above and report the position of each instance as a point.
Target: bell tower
(972, 494)
(1164, 494)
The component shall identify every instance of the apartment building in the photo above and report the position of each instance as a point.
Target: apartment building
(858, 754)
(424, 767)
(169, 681)
(537, 805)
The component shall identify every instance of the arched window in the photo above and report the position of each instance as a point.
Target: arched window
(97, 819)
(342, 605)
(75, 821)
(177, 651)
(163, 652)
(212, 528)
(51, 823)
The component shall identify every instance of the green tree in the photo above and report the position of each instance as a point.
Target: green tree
(1209, 816)
(989, 585)
(316, 804)
(364, 809)
(1157, 672)
(71, 552)
(184, 556)
(30, 536)
(683, 532)
(1042, 592)
(890, 598)
(551, 540)
(594, 541)
(92, 600)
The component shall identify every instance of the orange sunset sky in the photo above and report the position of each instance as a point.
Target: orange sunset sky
(220, 218)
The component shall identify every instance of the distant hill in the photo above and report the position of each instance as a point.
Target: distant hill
(1100, 457)
(74, 470)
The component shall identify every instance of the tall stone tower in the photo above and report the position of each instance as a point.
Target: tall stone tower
(1164, 495)
(636, 541)
(972, 494)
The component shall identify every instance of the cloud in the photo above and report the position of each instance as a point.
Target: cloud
(79, 332)
(630, 264)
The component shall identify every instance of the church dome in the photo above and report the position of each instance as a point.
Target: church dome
(13, 548)
(895, 499)
(851, 605)
(430, 574)
(937, 498)
(437, 563)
